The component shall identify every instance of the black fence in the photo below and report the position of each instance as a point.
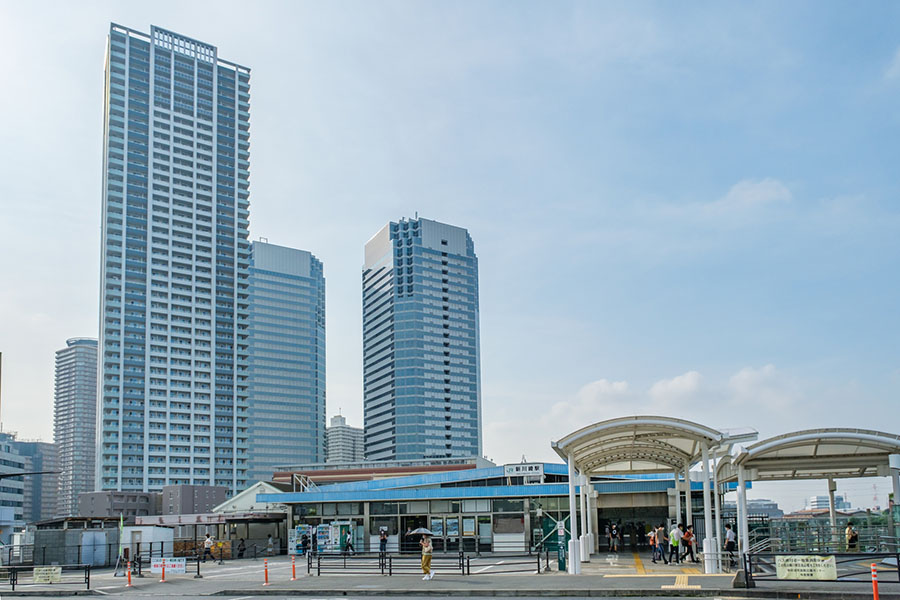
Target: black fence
(107, 555)
(460, 563)
(69, 574)
(851, 567)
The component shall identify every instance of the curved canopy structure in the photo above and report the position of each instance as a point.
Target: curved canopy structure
(819, 454)
(638, 444)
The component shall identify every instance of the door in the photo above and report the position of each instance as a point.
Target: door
(94, 550)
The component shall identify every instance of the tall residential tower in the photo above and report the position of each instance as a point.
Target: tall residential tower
(75, 421)
(287, 359)
(421, 357)
(174, 268)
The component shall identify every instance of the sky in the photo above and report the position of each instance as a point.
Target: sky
(687, 209)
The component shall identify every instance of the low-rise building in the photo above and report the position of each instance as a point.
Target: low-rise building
(113, 504)
(191, 499)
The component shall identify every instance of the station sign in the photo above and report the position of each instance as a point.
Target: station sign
(524, 470)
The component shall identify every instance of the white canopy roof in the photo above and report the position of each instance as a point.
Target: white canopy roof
(642, 444)
(819, 454)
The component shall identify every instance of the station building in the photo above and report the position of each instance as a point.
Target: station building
(512, 507)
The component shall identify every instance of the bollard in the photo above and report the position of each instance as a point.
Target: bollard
(163, 578)
(129, 575)
(266, 567)
(198, 575)
(874, 581)
(293, 569)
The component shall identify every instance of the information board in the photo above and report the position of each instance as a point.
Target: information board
(47, 574)
(174, 566)
(806, 566)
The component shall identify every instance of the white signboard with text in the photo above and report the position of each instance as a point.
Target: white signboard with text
(819, 568)
(174, 566)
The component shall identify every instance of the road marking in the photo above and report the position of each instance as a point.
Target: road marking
(99, 591)
(639, 564)
(681, 583)
(500, 562)
(242, 598)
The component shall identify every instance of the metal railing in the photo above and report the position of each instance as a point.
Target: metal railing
(19, 575)
(381, 563)
(849, 566)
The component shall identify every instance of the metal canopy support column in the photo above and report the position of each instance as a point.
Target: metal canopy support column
(743, 532)
(688, 506)
(832, 514)
(574, 565)
(583, 538)
(590, 516)
(677, 499)
(708, 542)
(718, 506)
(894, 463)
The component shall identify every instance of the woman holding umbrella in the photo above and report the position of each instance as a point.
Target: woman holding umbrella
(427, 549)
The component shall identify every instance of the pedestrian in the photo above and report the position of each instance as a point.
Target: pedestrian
(207, 548)
(661, 541)
(852, 537)
(382, 541)
(687, 542)
(241, 548)
(348, 543)
(304, 544)
(608, 538)
(614, 538)
(270, 546)
(730, 544)
(426, 557)
(651, 539)
(674, 542)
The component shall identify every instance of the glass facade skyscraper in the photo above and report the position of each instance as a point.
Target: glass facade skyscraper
(174, 265)
(421, 356)
(75, 421)
(287, 359)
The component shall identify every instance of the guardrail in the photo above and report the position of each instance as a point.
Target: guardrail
(848, 566)
(523, 563)
(55, 575)
(379, 563)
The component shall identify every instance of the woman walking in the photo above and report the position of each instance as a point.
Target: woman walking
(426, 557)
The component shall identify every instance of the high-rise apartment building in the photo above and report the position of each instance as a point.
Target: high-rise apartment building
(287, 358)
(12, 492)
(421, 358)
(41, 492)
(343, 443)
(175, 255)
(75, 421)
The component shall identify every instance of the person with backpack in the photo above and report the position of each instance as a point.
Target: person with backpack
(852, 537)
(651, 539)
(687, 541)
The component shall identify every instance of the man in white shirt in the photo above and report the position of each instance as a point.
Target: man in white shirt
(674, 541)
(730, 543)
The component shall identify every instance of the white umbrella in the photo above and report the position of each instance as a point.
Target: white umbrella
(421, 531)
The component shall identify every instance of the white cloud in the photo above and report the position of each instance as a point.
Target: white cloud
(765, 388)
(665, 392)
(749, 195)
(893, 70)
(595, 401)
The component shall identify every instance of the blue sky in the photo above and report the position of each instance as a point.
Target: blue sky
(687, 208)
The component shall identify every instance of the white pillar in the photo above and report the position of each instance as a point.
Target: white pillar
(708, 541)
(574, 564)
(677, 500)
(743, 531)
(832, 514)
(688, 508)
(716, 538)
(590, 516)
(894, 462)
(583, 538)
